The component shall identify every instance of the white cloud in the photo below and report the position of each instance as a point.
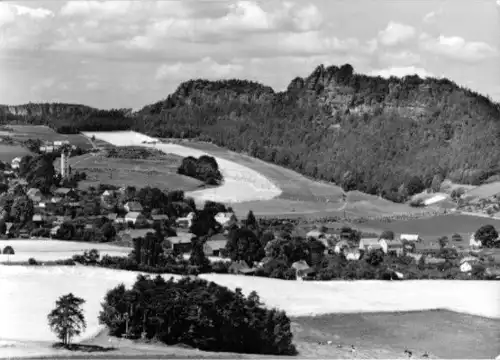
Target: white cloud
(401, 59)
(402, 71)
(9, 13)
(457, 48)
(206, 68)
(396, 33)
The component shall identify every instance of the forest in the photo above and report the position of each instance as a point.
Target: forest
(380, 136)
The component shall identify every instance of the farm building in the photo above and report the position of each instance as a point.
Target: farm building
(427, 249)
(369, 244)
(185, 222)
(133, 206)
(410, 238)
(340, 246)
(37, 218)
(302, 269)
(475, 244)
(391, 246)
(213, 247)
(182, 242)
(134, 217)
(223, 217)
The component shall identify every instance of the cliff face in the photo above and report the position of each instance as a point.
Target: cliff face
(34, 110)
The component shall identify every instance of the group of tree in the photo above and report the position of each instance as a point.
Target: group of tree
(197, 313)
(136, 152)
(205, 168)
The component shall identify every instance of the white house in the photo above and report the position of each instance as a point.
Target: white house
(223, 217)
(134, 217)
(465, 267)
(15, 163)
(185, 221)
(475, 244)
(352, 254)
(410, 237)
(341, 245)
(369, 244)
(391, 246)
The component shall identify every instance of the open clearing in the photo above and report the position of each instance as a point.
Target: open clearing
(240, 183)
(44, 133)
(50, 250)
(132, 172)
(9, 152)
(41, 286)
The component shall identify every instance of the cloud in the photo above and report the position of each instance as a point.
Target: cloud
(396, 33)
(207, 68)
(457, 48)
(9, 13)
(402, 71)
(401, 59)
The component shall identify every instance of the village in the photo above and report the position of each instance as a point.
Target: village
(116, 215)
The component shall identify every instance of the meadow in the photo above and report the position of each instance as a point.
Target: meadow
(132, 172)
(306, 302)
(50, 250)
(44, 133)
(9, 152)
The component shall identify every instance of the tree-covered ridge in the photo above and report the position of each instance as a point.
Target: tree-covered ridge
(367, 133)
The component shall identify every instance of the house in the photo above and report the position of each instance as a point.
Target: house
(302, 269)
(54, 230)
(182, 242)
(223, 217)
(369, 244)
(133, 206)
(427, 249)
(34, 192)
(130, 234)
(15, 163)
(214, 245)
(341, 246)
(65, 192)
(412, 238)
(391, 246)
(107, 193)
(352, 254)
(37, 218)
(159, 217)
(134, 217)
(119, 220)
(475, 244)
(112, 216)
(467, 262)
(465, 267)
(431, 260)
(185, 222)
(240, 267)
(326, 239)
(56, 199)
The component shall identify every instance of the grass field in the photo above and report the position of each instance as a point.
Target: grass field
(132, 172)
(483, 191)
(9, 152)
(44, 133)
(49, 250)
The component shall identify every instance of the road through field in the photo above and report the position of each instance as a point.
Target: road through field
(240, 182)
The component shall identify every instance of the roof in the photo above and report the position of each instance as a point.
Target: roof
(37, 217)
(136, 233)
(427, 246)
(300, 265)
(369, 242)
(314, 234)
(134, 205)
(216, 244)
(32, 191)
(218, 237)
(133, 214)
(393, 243)
(181, 238)
(62, 191)
(159, 217)
(409, 237)
(112, 216)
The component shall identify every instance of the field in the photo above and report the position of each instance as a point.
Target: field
(384, 331)
(49, 250)
(44, 133)
(9, 152)
(483, 191)
(132, 172)
(240, 182)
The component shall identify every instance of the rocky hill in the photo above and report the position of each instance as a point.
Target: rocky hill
(390, 137)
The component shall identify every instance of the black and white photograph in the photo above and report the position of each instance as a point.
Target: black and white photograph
(250, 179)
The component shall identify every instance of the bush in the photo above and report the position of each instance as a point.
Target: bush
(417, 203)
(8, 250)
(32, 261)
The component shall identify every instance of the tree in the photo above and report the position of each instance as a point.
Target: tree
(375, 258)
(415, 186)
(3, 227)
(487, 234)
(67, 319)
(436, 182)
(387, 234)
(22, 209)
(8, 250)
(443, 241)
(251, 221)
(198, 257)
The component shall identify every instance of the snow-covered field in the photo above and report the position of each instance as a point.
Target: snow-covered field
(29, 293)
(240, 183)
(50, 250)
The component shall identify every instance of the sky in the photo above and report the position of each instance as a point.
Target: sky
(126, 54)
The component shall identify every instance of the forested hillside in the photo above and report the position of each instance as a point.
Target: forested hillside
(381, 136)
